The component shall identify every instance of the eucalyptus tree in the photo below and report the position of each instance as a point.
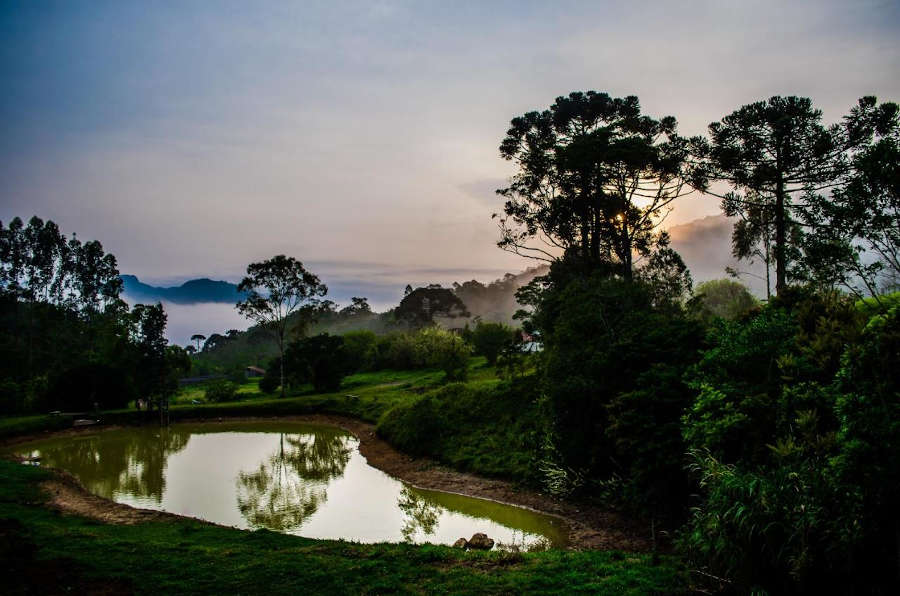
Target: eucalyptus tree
(595, 179)
(275, 290)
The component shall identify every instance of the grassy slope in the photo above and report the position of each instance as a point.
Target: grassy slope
(189, 557)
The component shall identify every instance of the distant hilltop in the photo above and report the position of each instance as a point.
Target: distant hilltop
(190, 292)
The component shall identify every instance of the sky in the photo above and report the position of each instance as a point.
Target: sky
(193, 138)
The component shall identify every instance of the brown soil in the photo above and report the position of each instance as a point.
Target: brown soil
(589, 527)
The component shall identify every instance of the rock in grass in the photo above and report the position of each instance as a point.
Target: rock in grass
(461, 543)
(480, 541)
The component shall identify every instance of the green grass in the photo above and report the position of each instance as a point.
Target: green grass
(488, 429)
(366, 396)
(69, 553)
(484, 428)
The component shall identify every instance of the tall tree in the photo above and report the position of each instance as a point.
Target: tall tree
(276, 289)
(775, 154)
(420, 307)
(595, 179)
(198, 337)
(149, 336)
(857, 244)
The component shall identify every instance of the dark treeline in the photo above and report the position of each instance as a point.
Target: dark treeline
(68, 342)
(762, 438)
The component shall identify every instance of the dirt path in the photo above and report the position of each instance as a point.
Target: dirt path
(588, 527)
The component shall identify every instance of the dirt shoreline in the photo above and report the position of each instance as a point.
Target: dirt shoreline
(588, 527)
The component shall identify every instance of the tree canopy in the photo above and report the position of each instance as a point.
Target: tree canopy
(595, 179)
(275, 289)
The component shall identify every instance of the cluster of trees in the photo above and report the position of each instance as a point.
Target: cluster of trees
(68, 342)
(596, 179)
(324, 360)
(761, 435)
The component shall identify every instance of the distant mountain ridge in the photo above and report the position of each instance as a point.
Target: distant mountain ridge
(194, 291)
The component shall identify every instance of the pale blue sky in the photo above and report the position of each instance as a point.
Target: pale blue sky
(194, 137)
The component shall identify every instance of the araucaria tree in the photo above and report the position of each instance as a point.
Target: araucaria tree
(276, 289)
(857, 239)
(776, 155)
(595, 179)
(198, 337)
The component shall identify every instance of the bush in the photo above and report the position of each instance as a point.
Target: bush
(489, 431)
(441, 349)
(723, 298)
(269, 383)
(220, 391)
(237, 376)
(414, 428)
(490, 339)
(321, 360)
(396, 351)
(361, 350)
(795, 436)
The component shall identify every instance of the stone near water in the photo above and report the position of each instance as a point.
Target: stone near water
(461, 543)
(480, 541)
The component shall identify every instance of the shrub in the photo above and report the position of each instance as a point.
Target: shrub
(321, 360)
(396, 351)
(269, 383)
(414, 428)
(795, 436)
(220, 391)
(441, 349)
(237, 376)
(361, 350)
(490, 339)
(723, 298)
(488, 430)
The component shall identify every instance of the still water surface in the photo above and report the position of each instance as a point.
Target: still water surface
(302, 479)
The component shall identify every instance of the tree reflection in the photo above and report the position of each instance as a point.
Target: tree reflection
(292, 483)
(420, 515)
(115, 462)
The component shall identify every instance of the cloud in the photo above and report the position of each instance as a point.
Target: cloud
(705, 246)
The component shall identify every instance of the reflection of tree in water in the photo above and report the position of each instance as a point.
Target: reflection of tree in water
(420, 515)
(108, 463)
(291, 485)
(146, 471)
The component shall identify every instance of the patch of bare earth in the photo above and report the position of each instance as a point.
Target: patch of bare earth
(68, 495)
(589, 527)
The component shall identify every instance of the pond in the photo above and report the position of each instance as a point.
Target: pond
(298, 478)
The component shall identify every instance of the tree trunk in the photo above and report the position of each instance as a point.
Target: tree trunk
(626, 250)
(780, 224)
(281, 363)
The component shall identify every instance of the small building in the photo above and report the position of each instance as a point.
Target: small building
(530, 347)
(255, 371)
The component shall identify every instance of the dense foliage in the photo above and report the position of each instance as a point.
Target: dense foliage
(67, 341)
(793, 432)
(611, 377)
(490, 339)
